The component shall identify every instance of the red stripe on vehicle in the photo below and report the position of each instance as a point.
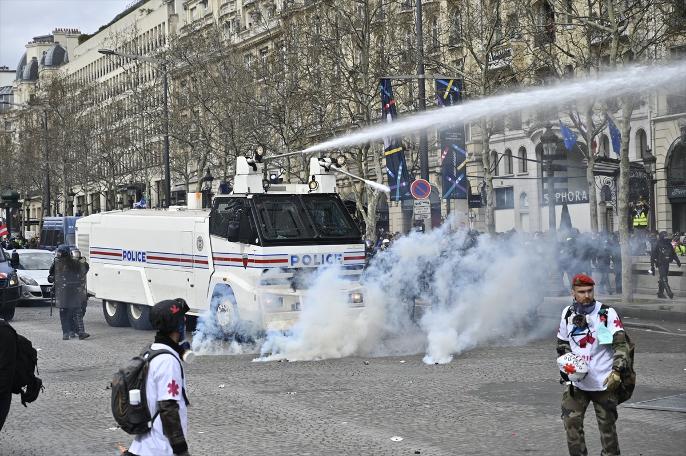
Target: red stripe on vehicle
(354, 258)
(227, 259)
(267, 261)
(98, 252)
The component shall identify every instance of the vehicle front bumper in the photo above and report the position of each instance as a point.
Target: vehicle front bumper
(35, 292)
(10, 295)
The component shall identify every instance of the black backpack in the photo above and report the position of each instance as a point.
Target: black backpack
(25, 383)
(134, 419)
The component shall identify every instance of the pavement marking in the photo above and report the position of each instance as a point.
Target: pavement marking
(656, 331)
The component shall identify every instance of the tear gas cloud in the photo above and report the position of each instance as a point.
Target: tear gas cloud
(438, 293)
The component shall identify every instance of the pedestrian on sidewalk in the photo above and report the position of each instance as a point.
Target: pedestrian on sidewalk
(165, 387)
(584, 331)
(662, 256)
(68, 273)
(8, 360)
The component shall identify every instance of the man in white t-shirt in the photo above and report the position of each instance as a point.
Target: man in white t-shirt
(165, 387)
(595, 333)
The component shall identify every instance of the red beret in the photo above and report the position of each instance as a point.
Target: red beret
(581, 280)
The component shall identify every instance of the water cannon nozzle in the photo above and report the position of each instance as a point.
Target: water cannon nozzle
(252, 162)
(259, 154)
(313, 184)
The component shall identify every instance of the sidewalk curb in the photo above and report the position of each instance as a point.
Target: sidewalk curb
(650, 314)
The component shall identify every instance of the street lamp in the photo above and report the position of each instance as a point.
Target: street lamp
(207, 188)
(549, 143)
(649, 163)
(165, 100)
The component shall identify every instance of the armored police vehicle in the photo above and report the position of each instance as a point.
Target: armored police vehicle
(247, 259)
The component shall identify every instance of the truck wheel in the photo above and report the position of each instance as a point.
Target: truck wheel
(139, 316)
(115, 313)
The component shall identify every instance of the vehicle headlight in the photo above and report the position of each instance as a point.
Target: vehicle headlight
(13, 279)
(356, 297)
(28, 281)
(272, 302)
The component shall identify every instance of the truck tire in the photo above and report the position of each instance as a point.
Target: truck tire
(115, 313)
(139, 316)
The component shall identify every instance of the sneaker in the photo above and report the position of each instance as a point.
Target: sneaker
(84, 335)
(661, 296)
(65, 336)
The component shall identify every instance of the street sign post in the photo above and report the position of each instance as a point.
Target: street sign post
(422, 209)
(420, 189)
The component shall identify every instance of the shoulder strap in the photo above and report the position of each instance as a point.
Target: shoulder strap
(153, 353)
(603, 311)
(568, 314)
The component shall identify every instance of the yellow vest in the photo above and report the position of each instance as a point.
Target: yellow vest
(641, 220)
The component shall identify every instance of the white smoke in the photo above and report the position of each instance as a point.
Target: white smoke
(327, 326)
(433, 292)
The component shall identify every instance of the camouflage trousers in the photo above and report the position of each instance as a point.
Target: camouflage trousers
(574, 405)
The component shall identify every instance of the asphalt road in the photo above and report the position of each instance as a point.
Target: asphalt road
(489, 401)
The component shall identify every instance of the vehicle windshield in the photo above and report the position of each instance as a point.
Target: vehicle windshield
(304, 218)
(35, 260)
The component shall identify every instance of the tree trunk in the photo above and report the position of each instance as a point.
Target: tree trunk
(623, 190)
(590, 178)
(488, 177)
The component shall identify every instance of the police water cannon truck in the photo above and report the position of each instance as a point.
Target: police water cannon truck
(248, 259)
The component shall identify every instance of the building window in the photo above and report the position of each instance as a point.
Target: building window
(545, 23)
(604, 146)
(494, 163)
(504, 198)
(523, 164)
(641, 143)
(508, 161)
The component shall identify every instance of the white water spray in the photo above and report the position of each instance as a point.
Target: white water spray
(628, 80)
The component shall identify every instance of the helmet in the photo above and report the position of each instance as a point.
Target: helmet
(663, 234)
(168, 315)
(75, 254)
(573, 365)
(62, 251)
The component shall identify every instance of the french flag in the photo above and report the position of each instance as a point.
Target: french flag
(3, 230)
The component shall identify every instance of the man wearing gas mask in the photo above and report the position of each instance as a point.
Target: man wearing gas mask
(594, 354)
(68, 273)
(166, 385)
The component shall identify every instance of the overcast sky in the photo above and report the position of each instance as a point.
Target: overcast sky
(21, 20)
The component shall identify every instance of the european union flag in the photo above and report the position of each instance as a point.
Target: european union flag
(140, 204)
(568, 136)
(615, 135)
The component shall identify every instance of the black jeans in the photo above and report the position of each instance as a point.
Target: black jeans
(5, 401)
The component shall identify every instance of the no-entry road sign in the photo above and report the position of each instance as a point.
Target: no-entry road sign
(420, 189)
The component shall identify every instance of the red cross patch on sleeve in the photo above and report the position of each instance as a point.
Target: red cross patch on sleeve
(173, 388)
(618, 323)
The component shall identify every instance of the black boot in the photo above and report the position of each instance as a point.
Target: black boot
(84, 335)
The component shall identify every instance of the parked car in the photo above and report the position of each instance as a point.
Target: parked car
(32, 270)
(9, 285)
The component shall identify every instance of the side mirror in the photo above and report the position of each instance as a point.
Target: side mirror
(232, 231)
(14, 260)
